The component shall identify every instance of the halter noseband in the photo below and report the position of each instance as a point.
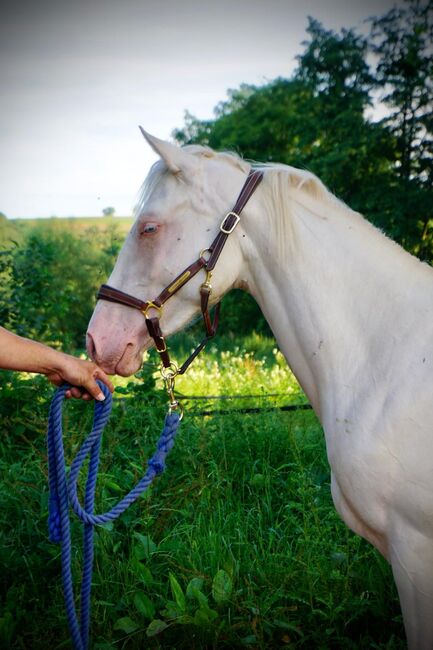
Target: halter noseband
(227, 226)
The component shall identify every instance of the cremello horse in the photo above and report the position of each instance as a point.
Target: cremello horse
(351, 311)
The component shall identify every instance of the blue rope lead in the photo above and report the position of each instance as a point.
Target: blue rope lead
(63, 494)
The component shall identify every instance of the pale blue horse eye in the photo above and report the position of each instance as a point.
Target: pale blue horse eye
(150, 228)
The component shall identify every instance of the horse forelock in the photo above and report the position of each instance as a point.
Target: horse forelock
(230, 157)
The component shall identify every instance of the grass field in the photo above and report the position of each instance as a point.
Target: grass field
(237, 545)
(15, 229)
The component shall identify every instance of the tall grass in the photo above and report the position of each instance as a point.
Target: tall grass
(236, 545)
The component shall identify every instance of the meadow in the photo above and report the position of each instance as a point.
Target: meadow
(18, 229)
(236, 545)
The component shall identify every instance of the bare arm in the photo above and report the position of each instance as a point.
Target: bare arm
(18, 353)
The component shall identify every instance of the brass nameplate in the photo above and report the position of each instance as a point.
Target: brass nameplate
(179, 282)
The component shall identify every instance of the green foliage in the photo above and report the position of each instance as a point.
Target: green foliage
(346, 150)
(8, 231)
(402, 42)
(49, 281)
(237, 544)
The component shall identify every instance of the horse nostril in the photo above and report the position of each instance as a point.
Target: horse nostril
(90, 345)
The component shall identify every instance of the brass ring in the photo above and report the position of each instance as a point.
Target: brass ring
(169, 373)
(205, 250)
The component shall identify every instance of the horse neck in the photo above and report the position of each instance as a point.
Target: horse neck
(340, 300)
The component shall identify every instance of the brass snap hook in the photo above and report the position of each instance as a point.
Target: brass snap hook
(206, 284)
(168, 375)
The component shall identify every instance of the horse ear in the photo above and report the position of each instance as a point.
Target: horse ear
(176, 159)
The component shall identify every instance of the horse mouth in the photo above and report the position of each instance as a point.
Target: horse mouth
(128, 368)
(131, 360)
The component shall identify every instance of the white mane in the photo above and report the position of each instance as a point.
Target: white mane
(289, 191)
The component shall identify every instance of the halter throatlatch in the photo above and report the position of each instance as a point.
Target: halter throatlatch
(169, 369)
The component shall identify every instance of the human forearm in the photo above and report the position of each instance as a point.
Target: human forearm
(18, 353)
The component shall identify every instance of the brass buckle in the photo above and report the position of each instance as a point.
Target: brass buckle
(228, 231)
(164, 349)
(151, 305)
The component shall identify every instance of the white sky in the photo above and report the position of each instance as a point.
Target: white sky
(78, 76)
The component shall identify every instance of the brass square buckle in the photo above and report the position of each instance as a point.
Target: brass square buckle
(228, 231)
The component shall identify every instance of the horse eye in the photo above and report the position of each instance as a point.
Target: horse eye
(150, 228)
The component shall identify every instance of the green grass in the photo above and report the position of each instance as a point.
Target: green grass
(17, 229)
(237, 545)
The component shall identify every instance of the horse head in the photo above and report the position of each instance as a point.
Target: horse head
(183, 199)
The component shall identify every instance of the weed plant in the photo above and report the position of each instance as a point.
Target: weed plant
(237, 545)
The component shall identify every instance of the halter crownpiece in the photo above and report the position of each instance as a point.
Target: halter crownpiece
(227, 226)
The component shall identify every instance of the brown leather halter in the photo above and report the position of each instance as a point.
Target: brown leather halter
(227, 226)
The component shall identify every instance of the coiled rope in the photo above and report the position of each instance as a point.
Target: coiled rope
(63, 496)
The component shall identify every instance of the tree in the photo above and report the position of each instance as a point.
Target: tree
(349, 152)
(260, 123)
(108, 212)
(402, 42)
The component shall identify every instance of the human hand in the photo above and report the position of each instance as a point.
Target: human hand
(82, 375)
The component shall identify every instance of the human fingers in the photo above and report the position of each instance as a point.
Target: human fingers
(91, 387)
(100, 374)
(74, 391)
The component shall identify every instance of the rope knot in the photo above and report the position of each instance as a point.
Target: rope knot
(165, 443)
(157, 462)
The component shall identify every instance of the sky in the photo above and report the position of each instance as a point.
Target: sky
(77, 77)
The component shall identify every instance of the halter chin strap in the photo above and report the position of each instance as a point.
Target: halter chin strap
(227, 226)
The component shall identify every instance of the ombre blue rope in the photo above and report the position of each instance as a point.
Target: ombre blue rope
(63, 495)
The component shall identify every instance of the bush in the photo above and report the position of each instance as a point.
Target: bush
(48, 283)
